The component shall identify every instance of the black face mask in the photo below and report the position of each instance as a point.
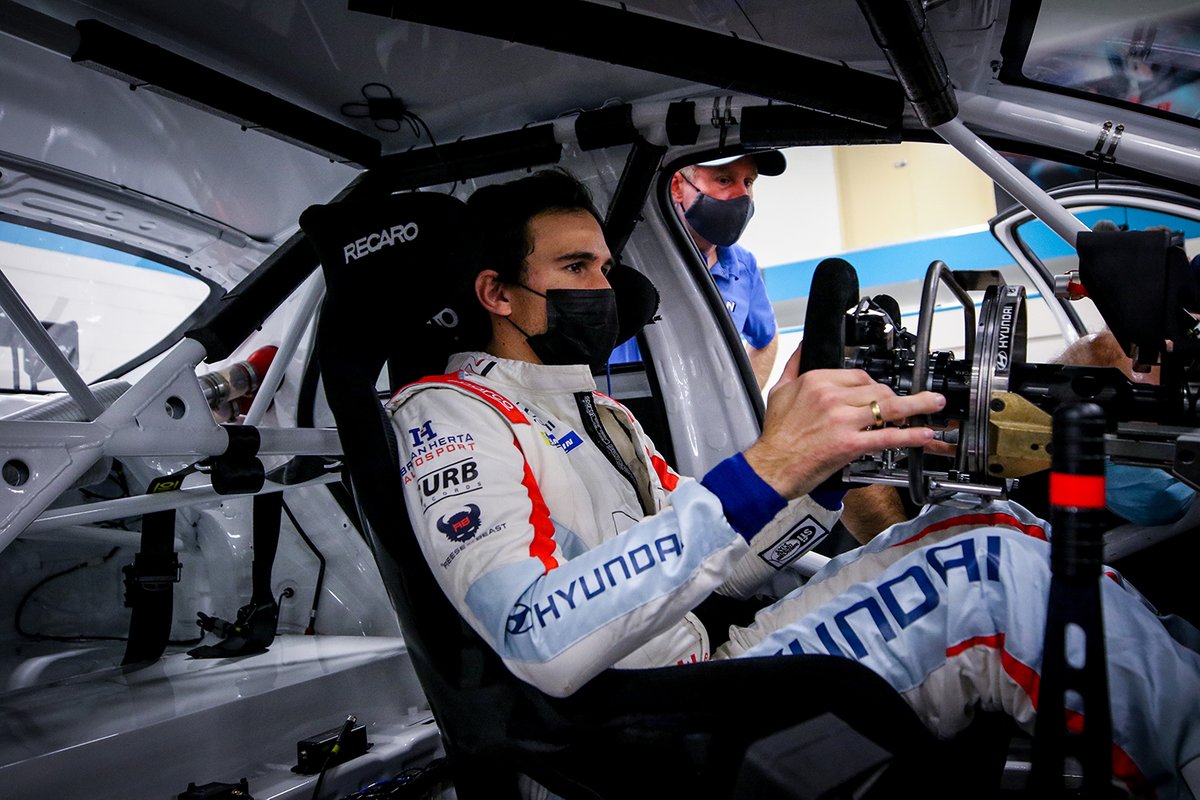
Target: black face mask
(581, 327)
(720, 222)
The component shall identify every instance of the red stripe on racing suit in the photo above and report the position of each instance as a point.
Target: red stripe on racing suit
(1030, 680)
(542, 546)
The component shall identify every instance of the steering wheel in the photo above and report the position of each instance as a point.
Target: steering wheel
(834, 289)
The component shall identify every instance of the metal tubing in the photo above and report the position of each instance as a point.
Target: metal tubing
(91, 534)
(185, 355)
(1168, 153)
(1011, 179)
(937, 272)
(37, 336)
(147, 503)
(287, 348)
(215, 441)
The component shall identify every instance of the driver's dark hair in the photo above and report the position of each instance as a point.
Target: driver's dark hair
(501, 214)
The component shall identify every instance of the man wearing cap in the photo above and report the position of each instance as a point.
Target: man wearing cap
(715, 200)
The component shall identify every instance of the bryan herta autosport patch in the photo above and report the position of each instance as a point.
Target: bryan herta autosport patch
(799, 539)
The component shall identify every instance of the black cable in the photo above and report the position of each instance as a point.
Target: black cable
(29, 594)
(387, 108)
(750, 21)
(46, 637)
(415, 782)
(383, 108)
(333, 751)
(312, 613)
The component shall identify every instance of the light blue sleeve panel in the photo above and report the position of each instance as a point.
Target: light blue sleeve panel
(1146, 495)
(560, 628)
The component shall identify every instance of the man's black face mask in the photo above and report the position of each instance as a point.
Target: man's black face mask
(581, 327)
(720, 222)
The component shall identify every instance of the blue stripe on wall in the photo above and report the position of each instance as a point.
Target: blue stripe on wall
(44, 240)
(909, 261)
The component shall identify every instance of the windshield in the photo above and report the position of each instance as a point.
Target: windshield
(102, 307)
(1147, 53)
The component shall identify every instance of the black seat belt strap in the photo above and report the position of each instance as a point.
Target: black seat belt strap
(150, 580)
(268, 508)
(254, 629)
(599, 436)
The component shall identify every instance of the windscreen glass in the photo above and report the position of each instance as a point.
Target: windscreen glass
(100, 307)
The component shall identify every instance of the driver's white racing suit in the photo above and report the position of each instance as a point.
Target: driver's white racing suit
(509, 475)
(512, 476)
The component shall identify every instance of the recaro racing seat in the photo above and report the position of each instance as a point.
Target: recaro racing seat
(399, 290)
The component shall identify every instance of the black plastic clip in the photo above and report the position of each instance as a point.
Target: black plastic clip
(252, 632)
(151, 572)
(723, 119)
(237, 470)
(1099, 152)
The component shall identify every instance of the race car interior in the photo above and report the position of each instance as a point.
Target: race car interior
(211, 584)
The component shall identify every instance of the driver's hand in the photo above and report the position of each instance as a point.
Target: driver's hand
(819, 422)
(938, 447)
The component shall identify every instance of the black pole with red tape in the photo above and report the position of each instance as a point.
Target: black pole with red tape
(1072, 746)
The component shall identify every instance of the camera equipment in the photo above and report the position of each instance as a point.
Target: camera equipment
(998, 405)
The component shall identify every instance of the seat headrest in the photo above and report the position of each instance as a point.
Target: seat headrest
(399, 273)
(637, 300)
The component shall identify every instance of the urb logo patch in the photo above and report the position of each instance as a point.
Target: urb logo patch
(450, 481)
(461, 525)
(802, 537)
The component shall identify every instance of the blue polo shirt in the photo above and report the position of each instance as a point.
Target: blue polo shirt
(744, 292)
(741, 285)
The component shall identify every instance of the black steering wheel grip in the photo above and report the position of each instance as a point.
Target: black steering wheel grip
(834, 289)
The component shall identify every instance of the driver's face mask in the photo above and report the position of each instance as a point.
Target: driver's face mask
(581, 327)
(720, 222)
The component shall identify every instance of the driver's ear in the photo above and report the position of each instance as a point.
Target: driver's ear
(493, 294)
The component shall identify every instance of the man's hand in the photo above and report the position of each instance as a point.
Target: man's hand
(818, 422)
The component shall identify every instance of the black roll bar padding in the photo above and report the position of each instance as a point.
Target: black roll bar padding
(1076, 551)
(244, 441)
(654, 43)
(682, 128)
(610, 126)
(902, 31)
(142, 64)
(637, 178)
(788, 126)
(531, 146)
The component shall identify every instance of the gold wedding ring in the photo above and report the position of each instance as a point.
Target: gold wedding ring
(879, 423)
